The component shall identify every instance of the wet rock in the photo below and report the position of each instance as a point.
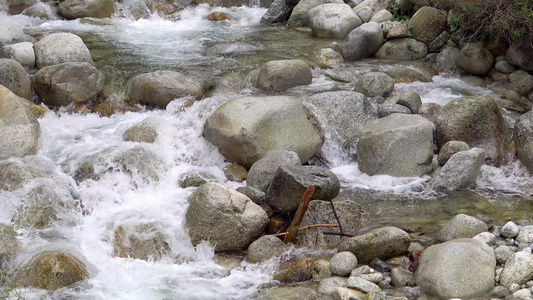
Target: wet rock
(375, 84)
(387, 109)
(368, 8)
(245, 129)
(278, 12)
(446, 60)
(320, 269)
(518, 269)
(22, 53)
(328, 286)
(389, 141)
(74, 9)
(290, 182)
(509, 230)
(19, 130)
(264, 248)
(477, 121)
(449, 149)
(503, 254)
(343, 263)
(279, 75)
(445, 274)
(14, 77)
(224, 217)
(143, 132)
(293, 293)
(330, 58)
(12, 31)
(43, 11)
(12, 175)
(405, 48)
(158, 88)
(321, 212)
(521, 56)
(345, 112)
(383, 243)
(57, 48)
(402, 277)
(52, 270)
(254, 194)
(333, 20)
(474, 59)
(380, 265)
(522, 82)
(299, 15)
(235, 172)
(504, 67)
(293, 272)
(195, 179)
(525, 235)
(262, 171)
(461, 226)
(217, 16)
(9, 246)
(381, 16)
(427, 23)
(460, 171)
(15, 7)
(362, 42)
(362, 285)
(144, 241)
(67, 83)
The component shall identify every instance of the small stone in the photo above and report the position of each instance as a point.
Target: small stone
(510, 230)
(217, 16)
(328, 286)
(362, 270)
(343, 263)
(235, 172)
(320, 269)
(416, 247)
(363, 285)
(510, 242)
(503, 253)
(449, 149)
(486, 237)
(401, 277)
(379, 265)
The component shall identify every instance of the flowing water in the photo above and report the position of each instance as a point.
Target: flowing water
(189, 43)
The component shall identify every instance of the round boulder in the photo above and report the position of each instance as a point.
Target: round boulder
(19, 129)
(462, 268)
(518, 269)
(264, 248)
(279, 75)
(362, 42)
(474, 59)
(158, 88)
(461, 226)
(59, 48)
(382, 243)
(74, 9)
(246, 129)
(66, 83)
(333, 20)
(14, 77)
(227, 219)
(449, 149)
(375, 84)
(405, 49)
(343, 263)
(21, 52)
(427, 23)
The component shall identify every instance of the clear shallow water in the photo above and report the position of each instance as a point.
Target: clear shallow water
(128, 47)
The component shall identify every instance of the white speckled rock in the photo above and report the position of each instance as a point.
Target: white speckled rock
(461, 226)
(525, 235)
(509, 230)
(343, 263)
(518, 269)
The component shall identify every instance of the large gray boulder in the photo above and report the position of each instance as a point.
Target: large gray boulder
(22, 52)
(375, 84)
(245, 129)
(67, 83)
(278, 12)
(477, 121)
(333, 20)
(461, 170)
(427, 23)
(523, 138)
(14, 77)
(344, 112)
(518, 269)
(386, 146)
(19, 129)
(59, 48)
(461, 226)
(290, 182)
(264, 248)
(363, 41)
(521, 56)
(405, 49)
(158, 88)
(474, 59)
(321, 212)
(227, 219)
(299, 15)
(279, 75)
(462, 268)
(74, 9)
(382, 243)
(262, 171)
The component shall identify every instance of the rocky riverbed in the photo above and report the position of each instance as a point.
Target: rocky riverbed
(154, 150)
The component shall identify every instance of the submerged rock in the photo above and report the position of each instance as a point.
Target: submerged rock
(246, 129)
(224, 217)
(52, 270)
(142, 132)
(9, 246)
(386, 146)
(195, 179)
(462, 268)
(14, 77)
(67, 83)
(279, 75)
(140, 241)
(59, 48)
(19, 129)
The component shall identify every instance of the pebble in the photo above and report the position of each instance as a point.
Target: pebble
(510, 242)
